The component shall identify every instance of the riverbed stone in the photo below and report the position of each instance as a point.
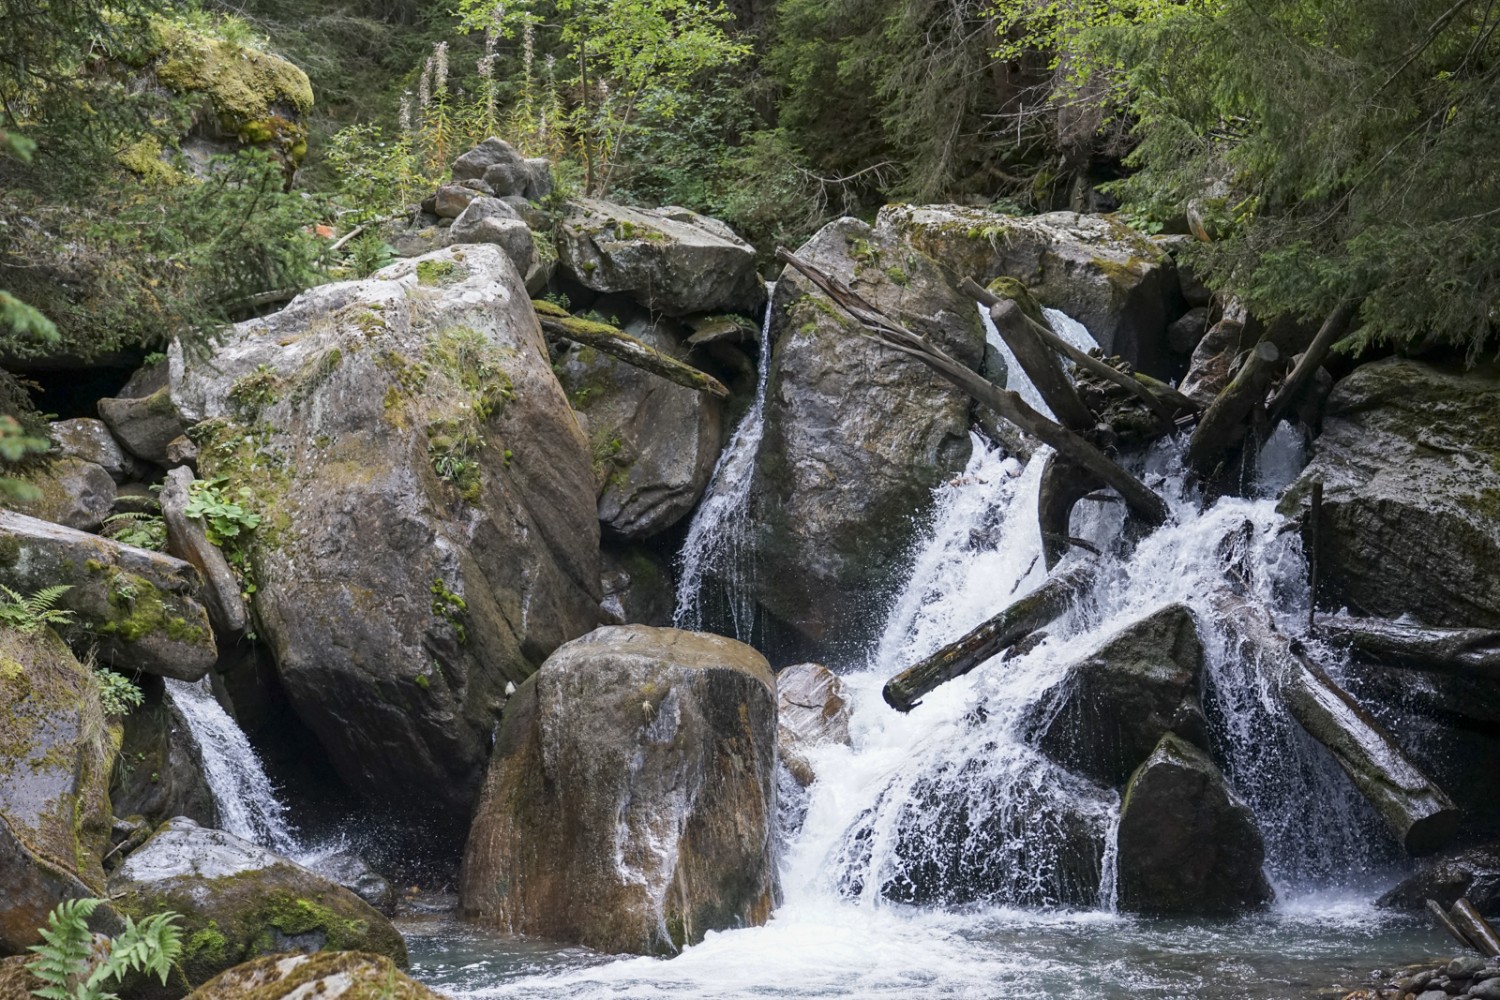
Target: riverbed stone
(653, 442)
(239, 901)
(1119, 701)
(1187, 844)
(187, 539)
(140, 606)
(56, 752)
(856, 438)
(811, 704)
(70, 492)
(1118, 283)
(160, 774)
(354, 873)
(429, 531)
(669, 259)
(344, 975)
(630, 803)
(1410, 461)
(1472, 873)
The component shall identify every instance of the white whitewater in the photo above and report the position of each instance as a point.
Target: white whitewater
(719, 533)
(246, 799)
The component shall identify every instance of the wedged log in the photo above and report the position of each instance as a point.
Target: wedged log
(558, 322)
(1010, 626)
(1222, 425)
(1462, 652)
(1063, 485)
(1312, 359)
(1475, 927)
(1163, 400)
(1446, 923)
(1041, 365)
(1417, 811)
(1143, 501)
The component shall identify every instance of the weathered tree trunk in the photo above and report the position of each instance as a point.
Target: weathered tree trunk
(1143, 501)
(1063, 485)
(1474, 927)
(1312, 359)
(1446, 923)
(1417, 811)
(618, 344)
(1462, 652)
(1222, 426)
(1041, 365)
(1031, 612)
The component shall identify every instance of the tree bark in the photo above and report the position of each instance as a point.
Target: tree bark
(1446, 923)
(1416, 810)
(1312, 359)
(618, 344)
(1461, 652)
(1041, 366)
(1474, 927)
(1222, 426)
(1143, 502)
(1031, 612)
(1063, 485)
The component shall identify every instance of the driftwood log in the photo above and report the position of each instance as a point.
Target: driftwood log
(1041, 365)
(1312, 359)
(1474, 927)
(1143, 501)
(1222, 426)
(1462, 652)
(1416, 810)
(558, 322)
(1063, 485)
(1040, 607)
(1444, 921)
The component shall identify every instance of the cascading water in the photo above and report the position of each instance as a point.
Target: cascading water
(246, 799)
(719, 532)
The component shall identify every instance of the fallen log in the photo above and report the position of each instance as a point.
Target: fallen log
(1143, 501)
(1010, 626)
(1222, 426)
(558, 322)
(1474, 927)
(1416, 810)
(1312, 359)
(1041, 365)
(1063, 485)
(1159, 397)
(1463, 652)
(1446, 923)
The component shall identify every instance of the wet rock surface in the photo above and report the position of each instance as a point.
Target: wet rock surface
(348, 975)
(1472, 873)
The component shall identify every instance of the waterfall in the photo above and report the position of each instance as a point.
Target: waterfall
(246, 799)
(720, 530)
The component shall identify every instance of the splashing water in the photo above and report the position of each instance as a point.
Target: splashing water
(246, 800)
(718, 536)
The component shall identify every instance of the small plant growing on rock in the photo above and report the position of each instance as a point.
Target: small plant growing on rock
(144, 531)
(223, 518)
(71, 967)
(117, 693)
(29, 615)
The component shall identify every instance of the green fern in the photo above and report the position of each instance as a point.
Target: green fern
(145, 531)
(30, 614)
(62, 962)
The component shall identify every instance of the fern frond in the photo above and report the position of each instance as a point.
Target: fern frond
(64, 953)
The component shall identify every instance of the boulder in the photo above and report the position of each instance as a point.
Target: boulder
(145, 425)
(856, 438)
(354, 873)
(56, 751)
(637, 584)
(671, 260)
(474, 164)
(239, 901)
(140, 606)
(490, 220)
(90, 440)
(1184, 333)
(1119, 701)
(70, 492)
(1187, 844)
(1472, 873)
(630, 803)
(654, 443)
(339, 975)
(1409, 458)
(430, 532)
(811, 706)
(160, 774)
(451, 200)
(1113, 280)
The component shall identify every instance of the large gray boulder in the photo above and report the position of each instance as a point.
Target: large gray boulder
(856, 438)
(669, 259)
(90, 440)
(145, 425)
(239, 901)
(56, 751)
(1410, 463)
(140, 606)
(630, 803)
(1119, 701)
(654, 443)
(1113, 280)
(429, 533)
(1187, 844)
(70, 492)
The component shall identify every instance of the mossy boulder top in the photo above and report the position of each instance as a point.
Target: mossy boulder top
(430, 531)
(349, 975)
(56, 753)
(239, 901)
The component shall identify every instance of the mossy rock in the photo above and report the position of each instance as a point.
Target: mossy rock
(239, 901)
(349, 975)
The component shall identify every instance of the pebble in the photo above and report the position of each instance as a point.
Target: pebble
(1465, 968)
(1433, 995)
(1489, 989)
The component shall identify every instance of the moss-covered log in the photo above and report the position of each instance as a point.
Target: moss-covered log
(1417, 811)
(1462, 652)
(1030, 613)
(558, 322)
(1222, 426)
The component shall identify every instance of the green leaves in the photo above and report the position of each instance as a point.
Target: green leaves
(223, 518)
(64, 958)
(30, 614)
